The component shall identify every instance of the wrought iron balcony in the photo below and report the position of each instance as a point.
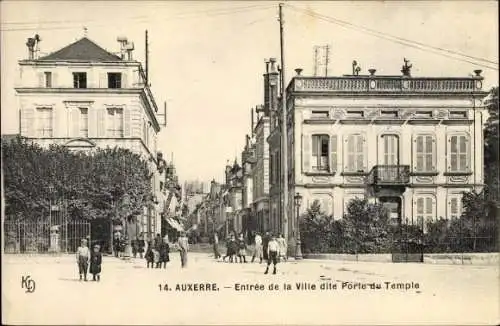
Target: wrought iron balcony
(389, 175)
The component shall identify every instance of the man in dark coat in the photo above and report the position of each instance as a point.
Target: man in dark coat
(265, 243)
(164, 250)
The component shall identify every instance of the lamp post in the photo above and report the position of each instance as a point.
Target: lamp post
(298, 245)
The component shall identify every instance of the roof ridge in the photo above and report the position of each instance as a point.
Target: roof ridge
(83, 49)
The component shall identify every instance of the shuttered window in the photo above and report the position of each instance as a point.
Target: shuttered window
(355, 156)
(84, 122)
(458, 153)
(320, 152)
(44, 122)
(425, 210)
(454, 206)
(391, 149)
(424, 153)
(115, 122)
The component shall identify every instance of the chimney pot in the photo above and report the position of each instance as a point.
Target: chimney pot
(478, 72)
(372, 72)
(298, 71)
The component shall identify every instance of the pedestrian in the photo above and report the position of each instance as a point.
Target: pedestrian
(117, 243)
(217, 254)
(141, 244)
(184, 247)
(265, 241)
(164, 251)
(149, 256)
(272, 254)
(257, 252)
(95, 263)
(82, 258)
(231, 247)
(283, 248)
(242, 249)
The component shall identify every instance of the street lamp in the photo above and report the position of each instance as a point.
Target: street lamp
(298, 249)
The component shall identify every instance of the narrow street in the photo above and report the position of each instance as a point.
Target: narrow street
(130, 294)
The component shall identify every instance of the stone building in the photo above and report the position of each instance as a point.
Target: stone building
(412, 143)
(85, 97)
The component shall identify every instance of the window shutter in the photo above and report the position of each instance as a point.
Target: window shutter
(41, 79)
(103, 80)
(92, 118)
(126, 123)
(306, 153)
(101, 119)
(54, 80)
(349, 150)
(363, 154)
(75, 122)
(124, 81)
(453, 207)
(333, 153)
(433, 144)
(28, 122)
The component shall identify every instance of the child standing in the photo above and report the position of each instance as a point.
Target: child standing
(242, 249)
(82, 258)
(273, 249)
(95, 263)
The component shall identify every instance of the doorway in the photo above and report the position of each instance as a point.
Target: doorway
(393, 208)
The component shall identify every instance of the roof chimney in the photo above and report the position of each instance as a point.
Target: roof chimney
(273, 64)
(31, 47)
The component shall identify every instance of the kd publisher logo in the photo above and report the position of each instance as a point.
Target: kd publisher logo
(28, 284)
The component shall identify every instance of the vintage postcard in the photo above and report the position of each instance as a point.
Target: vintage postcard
(250, 162)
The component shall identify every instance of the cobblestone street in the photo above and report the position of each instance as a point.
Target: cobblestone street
(130, 294)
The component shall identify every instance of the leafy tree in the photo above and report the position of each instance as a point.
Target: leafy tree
(107, 183)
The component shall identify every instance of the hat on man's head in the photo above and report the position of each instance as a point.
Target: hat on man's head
(84, 240)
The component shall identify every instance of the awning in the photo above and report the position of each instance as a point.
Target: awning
(175, 224)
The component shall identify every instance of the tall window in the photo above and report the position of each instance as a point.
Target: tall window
(425, 210)
(84, 122)
(458, 153)
(48, 79)
(391, 149)
(114, 80)
(115, 122)
(355, 153)
(455, 206)
(424, 153)
(80, 80)
(44, 122)
(320, 150)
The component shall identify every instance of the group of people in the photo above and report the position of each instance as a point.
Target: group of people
(269, 248)
(157, 253)
(84, 256)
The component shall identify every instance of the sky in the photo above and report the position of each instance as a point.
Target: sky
(207, 58)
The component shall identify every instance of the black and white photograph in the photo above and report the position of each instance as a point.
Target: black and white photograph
(250, 162)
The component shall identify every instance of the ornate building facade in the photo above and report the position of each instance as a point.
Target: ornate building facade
(414, 144)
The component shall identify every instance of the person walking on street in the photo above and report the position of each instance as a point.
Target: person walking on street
(283, 248)
(272, 254)
(82, 259)
(217, 254)
(95, 263)
(257, 252)
(184, 247)
(242, 249)
(265, 241)
(163, 250)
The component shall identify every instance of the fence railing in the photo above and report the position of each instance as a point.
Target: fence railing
(389, 175)
(35, 237)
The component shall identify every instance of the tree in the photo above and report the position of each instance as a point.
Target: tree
(491, 157)
(108, 183)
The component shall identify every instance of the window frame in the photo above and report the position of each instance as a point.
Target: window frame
(77, 83)
(117, 82)
(458, 169)
(111, 128)
(48, 79)
(422, 214)
(459, 206)
(83, 132)
(358, 156)
(41, 129)
(317, 164)
(425, 154)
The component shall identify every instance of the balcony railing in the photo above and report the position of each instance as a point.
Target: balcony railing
(390, 175)
(383, 84)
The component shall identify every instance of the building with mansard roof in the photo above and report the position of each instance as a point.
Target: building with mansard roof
(84, 97)
(414, 144)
